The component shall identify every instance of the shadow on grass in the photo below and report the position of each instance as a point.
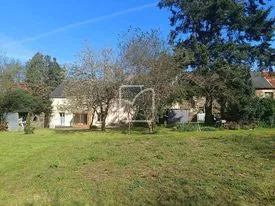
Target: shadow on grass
(263, 145)
(118, 130)
(72, 131)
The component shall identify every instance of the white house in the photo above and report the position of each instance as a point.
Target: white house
(62, 118)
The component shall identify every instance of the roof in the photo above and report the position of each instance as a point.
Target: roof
(22, 86)
(270, 76)
(259, 82)
(58, 92)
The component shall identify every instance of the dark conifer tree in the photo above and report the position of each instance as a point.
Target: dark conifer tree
(226, 39)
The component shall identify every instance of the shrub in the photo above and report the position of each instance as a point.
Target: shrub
(265, 124)
(267, 112)
(247, 126)
(251, 110)
(3, 126)
(187, 127)
(28, 128)
(232, 125)
(93, 127)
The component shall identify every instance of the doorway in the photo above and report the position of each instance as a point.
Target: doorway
(62, 118)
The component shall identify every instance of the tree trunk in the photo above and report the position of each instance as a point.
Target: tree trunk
(28, 128)
(104, 116)
(92, 118)
(47, 120)
(223, 109)
(129, 124)
(150, 126)
(150, 123)
(103, 124)
(104, 113)
(209, 120)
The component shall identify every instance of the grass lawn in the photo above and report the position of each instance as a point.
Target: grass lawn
(169, 168)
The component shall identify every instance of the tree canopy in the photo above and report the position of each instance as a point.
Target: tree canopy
(43, 69)
(226, 38)
(20, 101)
(43, 75)
(94, 83)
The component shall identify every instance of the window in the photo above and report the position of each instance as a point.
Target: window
(268, 95)
(99, 117)
(80, 119)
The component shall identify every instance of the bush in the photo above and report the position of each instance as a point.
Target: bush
(93, 127)
(3, 126)
(250, 110)
(28, 128)
(267, 124)
(232, 126)
(248, 126)
(186, 127)
(239, 125)
(267, 112)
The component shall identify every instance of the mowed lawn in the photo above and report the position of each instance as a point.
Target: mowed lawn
(169, 168)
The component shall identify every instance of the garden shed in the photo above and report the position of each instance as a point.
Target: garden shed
(16, 121)
(178, 116)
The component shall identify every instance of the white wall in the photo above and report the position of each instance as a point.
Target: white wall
(116, 114)
(261, 92)
(114, 117)
(55, 120)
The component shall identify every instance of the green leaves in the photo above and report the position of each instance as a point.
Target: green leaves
(44, 70)
(225, 38)
(19, 101)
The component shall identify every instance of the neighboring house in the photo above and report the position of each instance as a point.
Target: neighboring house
(264, 84)
(79, 119)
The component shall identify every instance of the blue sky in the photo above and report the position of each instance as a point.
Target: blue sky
(21, 20)
(28, 26)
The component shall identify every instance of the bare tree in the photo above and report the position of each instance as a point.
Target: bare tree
(94, 83)
(150, 62)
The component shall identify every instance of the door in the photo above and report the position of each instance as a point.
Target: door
(62, 119)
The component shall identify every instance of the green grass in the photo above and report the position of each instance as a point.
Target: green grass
(112, 168)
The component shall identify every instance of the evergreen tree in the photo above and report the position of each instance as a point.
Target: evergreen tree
(43, 75)
(36, 72)
(44, 70)
(226, 39)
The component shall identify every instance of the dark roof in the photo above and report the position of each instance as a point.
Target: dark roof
(259, 82)
(58, 92)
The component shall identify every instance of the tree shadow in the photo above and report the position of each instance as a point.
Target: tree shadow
(72, 131)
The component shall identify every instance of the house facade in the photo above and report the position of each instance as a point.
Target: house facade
(264, 84)
(61, 118)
